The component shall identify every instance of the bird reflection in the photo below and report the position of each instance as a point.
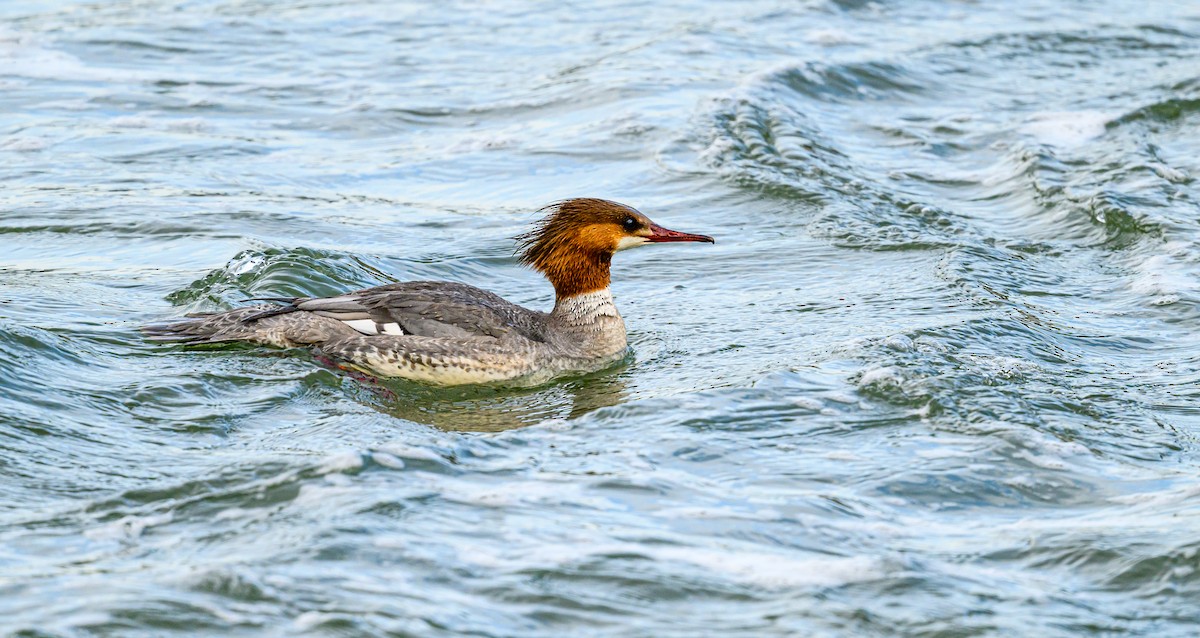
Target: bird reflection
(493, 408)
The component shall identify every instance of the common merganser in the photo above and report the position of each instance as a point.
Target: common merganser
(447, 333)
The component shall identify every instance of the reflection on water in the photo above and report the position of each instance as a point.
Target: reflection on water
(495, 409)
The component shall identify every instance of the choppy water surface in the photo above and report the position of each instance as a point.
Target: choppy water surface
(937, 377)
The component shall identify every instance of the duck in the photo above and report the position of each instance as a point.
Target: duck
(448, 333)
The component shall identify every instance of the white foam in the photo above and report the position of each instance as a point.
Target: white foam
(476, 143)
(719, 513)
(841, 397)
(246, 264)
(1056, 446)
(67, 105)
(1045, 461)
(189, 125)
(388, 460)
(512, 494)
(339, 480)
(149, 120)
(750, 567)
(24, 144)
(556, 424)
(808, 403)
(312, 494)
(234, 513)
(718, 149)
(1021, 481)
(309, 620)
(1044, 451)
(409, 452)
(1001, 367)
(1066, 128)
(23, 55)
(1169, 173)
(888, 375)
(1165, 277)
(340, 463)
(775, 570)
(829, 37)
(1161, 499)
(942, 452)
(129, 527)
(899, 343)
(130, 121)
(392, 541)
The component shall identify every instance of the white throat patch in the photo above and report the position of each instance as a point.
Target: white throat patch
(630, 241)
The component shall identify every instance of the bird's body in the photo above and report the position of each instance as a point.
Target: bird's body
(447, 333)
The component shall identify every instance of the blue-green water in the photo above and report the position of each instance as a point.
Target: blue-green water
(937, 377)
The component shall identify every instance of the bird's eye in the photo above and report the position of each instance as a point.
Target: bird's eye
(629, 223)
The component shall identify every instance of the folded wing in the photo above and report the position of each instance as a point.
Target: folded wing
(428, 309)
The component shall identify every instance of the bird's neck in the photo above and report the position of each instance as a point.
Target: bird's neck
(588, 325)
(575, 272)
(585, 309)
(584, 316)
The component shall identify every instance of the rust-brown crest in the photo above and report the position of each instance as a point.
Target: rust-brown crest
(573, 245)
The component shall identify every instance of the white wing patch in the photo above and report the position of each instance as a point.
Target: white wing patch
(369, 327)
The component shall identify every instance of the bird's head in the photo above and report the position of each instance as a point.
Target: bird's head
(573, 245)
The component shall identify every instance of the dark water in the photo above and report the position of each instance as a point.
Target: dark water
(938, 376)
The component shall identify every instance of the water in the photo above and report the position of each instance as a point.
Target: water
(937, 377)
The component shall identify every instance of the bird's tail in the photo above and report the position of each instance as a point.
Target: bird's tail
(283, 326)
